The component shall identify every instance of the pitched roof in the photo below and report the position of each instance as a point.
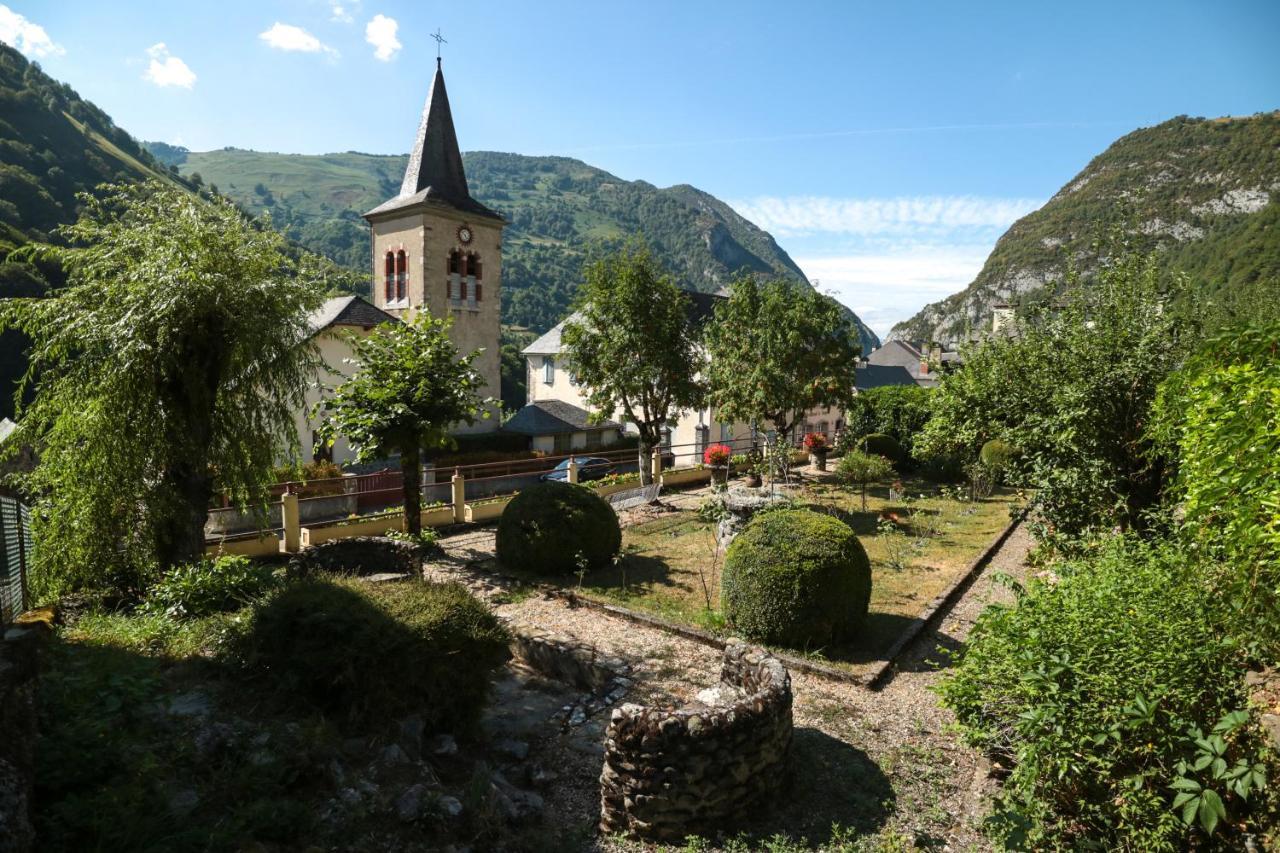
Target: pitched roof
(435, 174)
(880, 375)
(701, 307)
(551, 417)
(347, 311)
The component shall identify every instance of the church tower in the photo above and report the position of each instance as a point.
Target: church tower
(437, 249)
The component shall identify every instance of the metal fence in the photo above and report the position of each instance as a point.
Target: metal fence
(15, 553)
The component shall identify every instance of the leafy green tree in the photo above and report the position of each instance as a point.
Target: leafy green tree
(174, 357)
(777, 349)
(898, 411)
(410, 387)
(864, 469)
(1073, 392)
(632, 346)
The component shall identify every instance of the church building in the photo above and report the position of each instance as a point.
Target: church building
(437, 249)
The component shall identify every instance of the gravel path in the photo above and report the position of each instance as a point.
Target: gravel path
(877, 762)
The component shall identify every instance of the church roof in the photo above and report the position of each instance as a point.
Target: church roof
(435, 174)
(347, 311)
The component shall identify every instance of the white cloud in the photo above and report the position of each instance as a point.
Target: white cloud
(167, 70)
(290, 38)
(381, 33)
(27, 36)
(887, 287)
(867, 216)
(343, 11)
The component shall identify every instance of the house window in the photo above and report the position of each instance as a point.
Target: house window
(703, 439)
(389, 289)
(402, 275)
(594, 439)
(726, 432)
(563, 442)
(548, 370)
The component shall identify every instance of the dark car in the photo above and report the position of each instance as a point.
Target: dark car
(589, 468)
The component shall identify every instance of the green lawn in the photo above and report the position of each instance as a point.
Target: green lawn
(670, 567)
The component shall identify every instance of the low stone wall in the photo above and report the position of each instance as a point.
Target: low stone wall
(359, 555)
(672, 772)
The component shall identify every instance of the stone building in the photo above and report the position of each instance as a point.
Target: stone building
(436, 249)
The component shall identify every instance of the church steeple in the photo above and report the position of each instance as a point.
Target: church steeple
(435, 172)
(435, 163)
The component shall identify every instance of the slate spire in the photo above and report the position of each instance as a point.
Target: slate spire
(435, 164)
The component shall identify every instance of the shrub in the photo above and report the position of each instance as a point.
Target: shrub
(796, 578)
(371, 652)
(879, 444)
(1095, 688)
(209, 586)
(557, 528)
(400, 554)
(862, 469)
(997, 454)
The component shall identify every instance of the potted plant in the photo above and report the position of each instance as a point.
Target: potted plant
(737, 463)
(816, 444)
(716, 457)
(753, 465)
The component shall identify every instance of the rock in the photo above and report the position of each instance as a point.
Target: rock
(442, 745)
(411, 730)
(578, 717)
(393, 756)
(449, 806)
(194, 704)
(515, 804)
(1271, 724)
(349, 796)
(409, 803)
(183, 802)
(541, 776)
(511, 748)
(214, 738)
(337, 774)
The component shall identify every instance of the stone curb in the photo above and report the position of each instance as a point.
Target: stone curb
(933, 612)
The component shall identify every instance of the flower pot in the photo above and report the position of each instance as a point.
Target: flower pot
(753, 479)
(818, 461)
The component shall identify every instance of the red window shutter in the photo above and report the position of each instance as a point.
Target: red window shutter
(477, 291)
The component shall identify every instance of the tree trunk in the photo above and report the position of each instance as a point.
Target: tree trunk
(411, 471)
(646, 460)
(180, 530)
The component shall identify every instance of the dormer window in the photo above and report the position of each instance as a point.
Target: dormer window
(402, 275)
(389, 286)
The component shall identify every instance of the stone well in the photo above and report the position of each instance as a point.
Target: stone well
(359, 555)
(671, 772)
(741, 505)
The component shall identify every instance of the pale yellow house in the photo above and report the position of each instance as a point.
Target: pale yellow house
(333, 325)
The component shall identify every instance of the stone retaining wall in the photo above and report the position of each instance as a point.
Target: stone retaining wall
(671, 772)
(18, 675)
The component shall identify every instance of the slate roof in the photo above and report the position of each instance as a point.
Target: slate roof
(347, 311)
(880, 375)
(435, 174)
(701, 308)
(552, 417)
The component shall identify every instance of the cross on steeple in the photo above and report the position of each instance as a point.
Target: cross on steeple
(439, 41)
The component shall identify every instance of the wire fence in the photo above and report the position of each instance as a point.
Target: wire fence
(15, 553)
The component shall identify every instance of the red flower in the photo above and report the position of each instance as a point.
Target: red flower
(815, 442)
(717, 454)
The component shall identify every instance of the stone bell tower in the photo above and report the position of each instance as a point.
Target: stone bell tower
(437, 249)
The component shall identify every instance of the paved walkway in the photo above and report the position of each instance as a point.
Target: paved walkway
(875, 761)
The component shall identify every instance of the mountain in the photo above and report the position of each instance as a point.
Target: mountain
(557, 208)
(1203, 193)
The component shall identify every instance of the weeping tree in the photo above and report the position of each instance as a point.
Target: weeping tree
(779, 348)
(409, 389)
(632, 346)
(170, 364)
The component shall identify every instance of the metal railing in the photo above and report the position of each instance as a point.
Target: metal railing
(15, 553)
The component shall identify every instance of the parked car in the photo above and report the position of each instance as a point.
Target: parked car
(589, 468)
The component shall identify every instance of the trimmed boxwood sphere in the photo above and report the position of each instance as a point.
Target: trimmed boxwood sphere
(882, 445)
(997, 453)
(549, 526)
(796, 578)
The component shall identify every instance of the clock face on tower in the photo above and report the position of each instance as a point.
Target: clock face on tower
(464, 234)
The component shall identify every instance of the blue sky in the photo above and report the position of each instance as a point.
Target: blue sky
(885, 145)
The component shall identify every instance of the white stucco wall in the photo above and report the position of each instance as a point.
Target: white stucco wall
(334, 349)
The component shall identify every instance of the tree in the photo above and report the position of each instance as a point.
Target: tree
(409, 389)
(174, 357)
(864, 469)
(1073, 391)
(778, 349)
(632, 345)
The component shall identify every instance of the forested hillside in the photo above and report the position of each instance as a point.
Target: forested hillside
(1205, 193)
(558, 208)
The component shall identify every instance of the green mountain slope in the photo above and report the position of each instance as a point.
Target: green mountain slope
(557, 207)
(1204, 193)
